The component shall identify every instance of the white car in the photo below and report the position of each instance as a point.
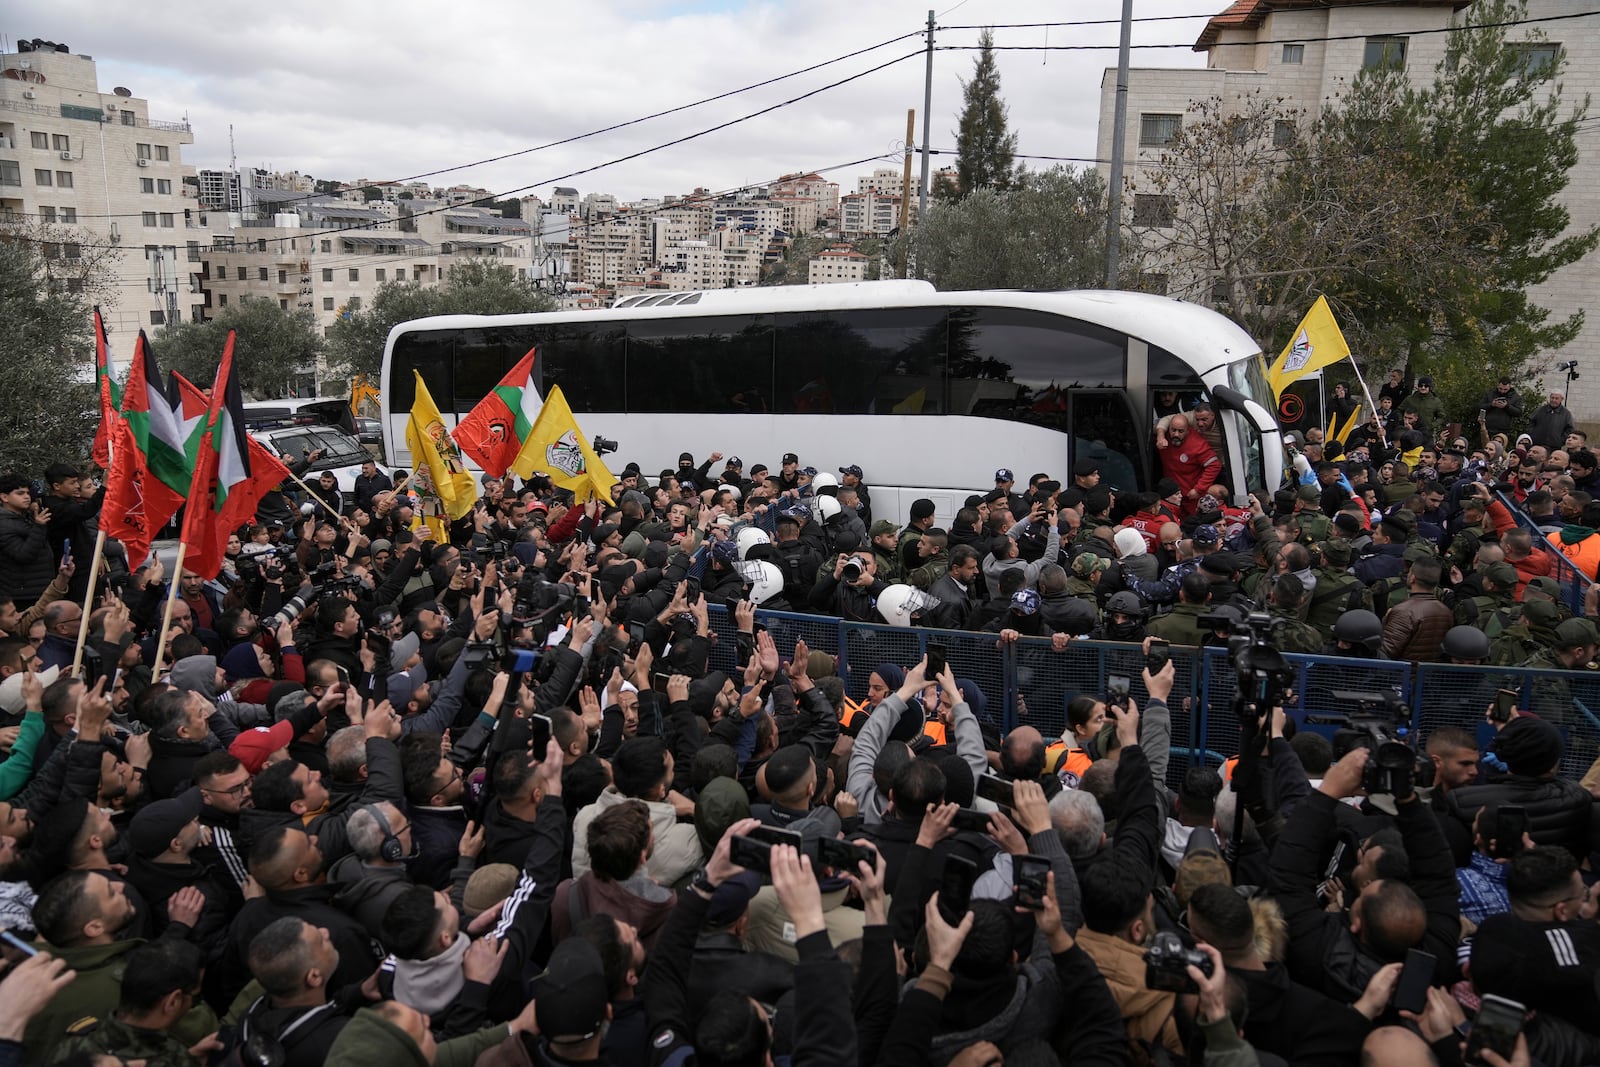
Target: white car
(291, 439)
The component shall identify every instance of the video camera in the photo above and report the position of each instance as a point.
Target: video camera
(1264, 676)
(539, 603)
(1381, 723)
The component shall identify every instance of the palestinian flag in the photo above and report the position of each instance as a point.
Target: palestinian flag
(138, 503)
(266, 471)
(492, 433)
(221, 469)
(110, 395)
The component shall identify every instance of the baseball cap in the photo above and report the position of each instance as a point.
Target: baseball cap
(153, 829)
(402, 649)
(882, 526)
(1502, 574)
(1084, 468)
(1309, 493)
(732, 899)
(1004, 475)
(790, 457)
(735, 462)
(571, 996)
(252, 747)
(852, 469)
(1025, 601)
(809, 472)
(488, 886)
(11, 689)
(1206, 534)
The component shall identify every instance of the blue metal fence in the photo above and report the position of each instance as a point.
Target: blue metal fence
(1574, 583)
(1028, 681)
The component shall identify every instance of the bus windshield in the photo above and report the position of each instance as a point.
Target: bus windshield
(1249, 376)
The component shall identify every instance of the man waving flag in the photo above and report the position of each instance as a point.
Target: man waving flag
(493, 431)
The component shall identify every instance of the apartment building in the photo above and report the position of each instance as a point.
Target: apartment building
(809, 187)
(1306, 52)
(103, 179)
(868, 215)
(837, 263)
(885, 181)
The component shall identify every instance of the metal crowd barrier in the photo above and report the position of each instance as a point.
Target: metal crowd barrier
(1574, 583)
(1029, 682)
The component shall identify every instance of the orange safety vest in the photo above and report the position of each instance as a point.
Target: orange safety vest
(934, 729)
(849, 711)
(1067, 763)
(1227, 768)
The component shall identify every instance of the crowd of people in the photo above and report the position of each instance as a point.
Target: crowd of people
(376, 796)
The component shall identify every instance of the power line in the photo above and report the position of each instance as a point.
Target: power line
(1143, 18)
(1275, 41)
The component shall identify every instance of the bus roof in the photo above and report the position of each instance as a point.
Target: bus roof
(1205, 338)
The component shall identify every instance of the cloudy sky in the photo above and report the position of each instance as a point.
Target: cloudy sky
(349, 90)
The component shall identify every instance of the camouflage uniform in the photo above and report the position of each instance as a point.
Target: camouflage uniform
(1181, 625)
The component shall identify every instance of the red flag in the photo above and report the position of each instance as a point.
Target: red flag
(493, 431)
(202, 545)
(137, 503)
(110, 401)
(266, 470)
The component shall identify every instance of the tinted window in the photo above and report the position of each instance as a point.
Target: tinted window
(482, 359)
(587, 360)
(1103, 429)
(1020, 365)
(718, 365)
(431, 353)
(862, 362)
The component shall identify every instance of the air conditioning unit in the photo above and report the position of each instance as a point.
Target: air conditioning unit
(144, 162)
(111, 107)
(116, 233)
(27, 94)
(66, 155)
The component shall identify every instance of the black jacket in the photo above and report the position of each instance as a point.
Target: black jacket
(437, 833)
(384, 782)
(359, 955)
(721, 964)
(1558, 809)
(158, 881)
(1304, 1027)
(171, 769)
(506, 838)
(27, 562)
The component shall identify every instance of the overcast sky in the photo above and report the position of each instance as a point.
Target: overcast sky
(352, 90)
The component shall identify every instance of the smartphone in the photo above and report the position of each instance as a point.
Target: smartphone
(692, 591)
(116, 680)
(1511, 822)
(66, 550)
(1411, 990)
(844, 856)
(955, 888)
(1117, 690)
(1495, 1028)
(995, 789)
(936, 661)
(1030, 880)
(750, 854)
(542, 729)
(973, 821)
(1505, 702)
(344, 675)
(772, 835)
(17, 943)
(1160, 654)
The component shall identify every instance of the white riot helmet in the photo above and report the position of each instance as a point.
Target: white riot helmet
(899, 602)
(748, 538)
(766, 580)
(824, 479)
(827, 507)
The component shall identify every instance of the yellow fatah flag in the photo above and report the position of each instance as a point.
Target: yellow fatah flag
(1316, 343)
(443, 484)
(1343, 435)
(557, 447)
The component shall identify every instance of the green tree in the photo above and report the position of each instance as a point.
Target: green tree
(355, 342)
(47, 353)
(1047, 233)
(274, 350)
(985, 152)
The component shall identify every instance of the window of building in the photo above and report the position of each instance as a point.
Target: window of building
(381, 273)
(148, 218)
(72, 250)
(52, 250)
(194, 251)
(1385, 53)
(327, 274)
(1294, 53)
(64, 179)
(261, 274)
(74, 285)
(41, 177)
(261, 244)
(10, 172)
(355, 274)
(1535, 56)
(327, 303)
(163, 153)
(158, 318)
(283, 277)
(222, 300)
(1284, 133)
(241, 273)
(1156, 130)
(47, 214)
(143, 150)
(327, 246)
(399, 274)
(39, 139)
(69, 215)
(164, 186)
(1153, 209)
(284, 304)
(168, 221)
(353, 304)
(1220, 291)
(61, 142)
(128, 118)
(147, 185)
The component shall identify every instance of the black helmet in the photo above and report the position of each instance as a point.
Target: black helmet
(1359, 627)
(1466, 643)
(1126, 603)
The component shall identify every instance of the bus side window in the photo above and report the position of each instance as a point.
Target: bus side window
(1103, 429)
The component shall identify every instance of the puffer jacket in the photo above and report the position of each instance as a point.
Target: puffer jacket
(1415, 628)
(27, 564)
(1558, 809)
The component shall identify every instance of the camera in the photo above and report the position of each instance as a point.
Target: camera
(1569, 365)
(603, 445)
(1166, 964)
(853, 569)
(1264, 676)
(1381, 723)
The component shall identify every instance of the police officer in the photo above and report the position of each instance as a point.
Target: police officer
(882, 535)
(1337, 590)
(1312, 525)
(1496, 606)
(1182, 625)
(1292, 635)
(1357, 634)
(1527, 637)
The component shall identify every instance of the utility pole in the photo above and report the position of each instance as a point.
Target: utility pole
(905, 194)
(927, 118)
(1119, 141)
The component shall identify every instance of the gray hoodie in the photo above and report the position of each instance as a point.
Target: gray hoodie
(994, 568)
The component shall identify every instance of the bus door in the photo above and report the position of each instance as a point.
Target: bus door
(1106, 430)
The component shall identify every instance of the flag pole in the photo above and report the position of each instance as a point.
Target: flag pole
(166, 614)
(88, 602)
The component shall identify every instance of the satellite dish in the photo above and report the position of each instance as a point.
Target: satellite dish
(122, 90)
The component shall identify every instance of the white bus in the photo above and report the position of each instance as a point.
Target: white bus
(929, 392)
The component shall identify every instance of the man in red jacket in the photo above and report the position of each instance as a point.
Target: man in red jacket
(1189, 461)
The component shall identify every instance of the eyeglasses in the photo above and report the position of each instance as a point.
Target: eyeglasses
(236, 791)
